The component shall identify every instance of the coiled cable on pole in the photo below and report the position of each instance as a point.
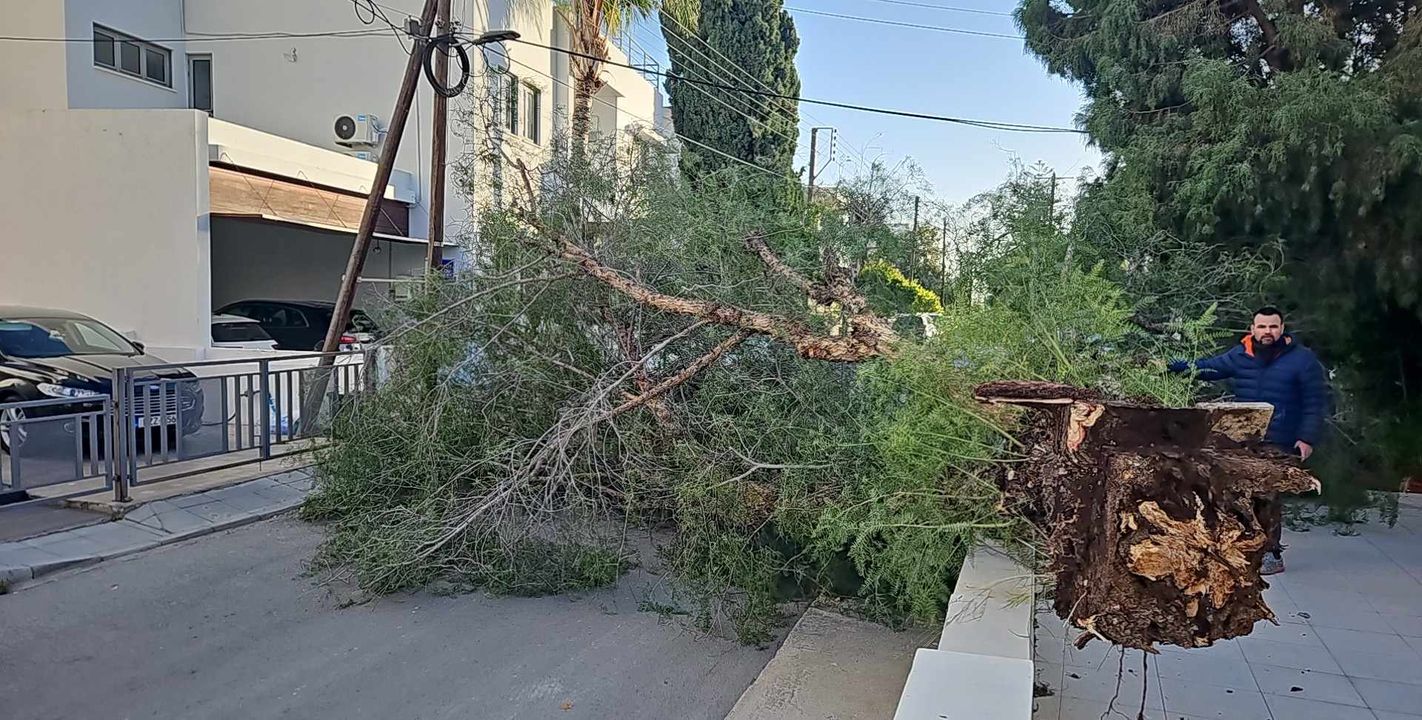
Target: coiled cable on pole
(444, 43)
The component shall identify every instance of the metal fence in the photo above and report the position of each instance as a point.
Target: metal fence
(177, 419)
(56, 441)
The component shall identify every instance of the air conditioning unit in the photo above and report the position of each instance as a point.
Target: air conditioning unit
(358, 131)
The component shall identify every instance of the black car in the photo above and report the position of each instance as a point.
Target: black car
(47, 354)
(302, 324)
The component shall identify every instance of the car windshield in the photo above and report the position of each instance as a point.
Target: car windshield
(59, 337)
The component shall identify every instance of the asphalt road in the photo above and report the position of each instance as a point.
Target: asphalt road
(231, 626)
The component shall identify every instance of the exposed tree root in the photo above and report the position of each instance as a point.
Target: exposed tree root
(1153, 518)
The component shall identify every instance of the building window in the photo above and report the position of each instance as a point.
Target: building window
(200, 83)
(510, 93)
(131, 56)
(520, 106)
(532, 115)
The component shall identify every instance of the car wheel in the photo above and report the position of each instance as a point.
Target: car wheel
(9, 415)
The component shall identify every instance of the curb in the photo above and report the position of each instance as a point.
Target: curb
(15, 577)
(133, 537)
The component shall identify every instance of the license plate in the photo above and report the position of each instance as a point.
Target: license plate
(155, 421)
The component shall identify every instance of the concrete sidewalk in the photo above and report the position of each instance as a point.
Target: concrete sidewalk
(159, 522)
(1348, 646)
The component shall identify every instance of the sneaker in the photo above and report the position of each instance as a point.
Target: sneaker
(1272, 565)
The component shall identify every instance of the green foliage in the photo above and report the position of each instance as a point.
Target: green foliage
(1298, 136)
(489, 458)
(734, 42)
(891, 292)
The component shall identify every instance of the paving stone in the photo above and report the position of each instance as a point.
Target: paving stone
(145, 512)
(1360, 620)
(258, 486)
(1083, 709)
(183, 501)
(1359, 641)
(1111, 681)
(245, 500)
(178, 521)
(121, 534)
(1415, 643)
(1215, 702)
(281, 494)
(1290, 633)
(1268, 652)
(1295, 708)
(1219, 670)
(1390, 605)
(1397, 668)
(20, 554)
(219, 513)
(1390, 696)
(1405, 625)
(66, 545)
(1324, 687)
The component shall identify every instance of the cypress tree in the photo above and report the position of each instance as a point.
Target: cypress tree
(730, 40)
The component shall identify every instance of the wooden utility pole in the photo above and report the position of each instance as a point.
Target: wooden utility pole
(433, 253)
(913, 254)
(814, 147)
(356, 263)
(943, 261)
(315, 392)
(1052, 209)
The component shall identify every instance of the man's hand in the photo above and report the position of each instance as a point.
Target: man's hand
(1305, 450)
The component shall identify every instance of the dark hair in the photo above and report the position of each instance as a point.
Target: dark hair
(1270, 310)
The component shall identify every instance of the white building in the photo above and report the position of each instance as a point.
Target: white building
(166, 157)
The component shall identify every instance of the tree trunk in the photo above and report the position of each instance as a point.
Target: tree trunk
(1156, 519)
(582, 116)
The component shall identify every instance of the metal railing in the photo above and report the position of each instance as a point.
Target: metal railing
(178, 412)
(54, 441)
(172, 420)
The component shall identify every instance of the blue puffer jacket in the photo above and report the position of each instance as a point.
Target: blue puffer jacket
(1294, 382)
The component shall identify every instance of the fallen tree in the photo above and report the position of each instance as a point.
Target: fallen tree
(699, 365)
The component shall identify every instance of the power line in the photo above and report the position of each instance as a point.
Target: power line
(216, 37)
(898, 23)
(986, 124)
(765, 123)
(945, 8)
(730, 68)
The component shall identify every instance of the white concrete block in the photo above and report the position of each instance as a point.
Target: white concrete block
(990, 612)
(945, 685)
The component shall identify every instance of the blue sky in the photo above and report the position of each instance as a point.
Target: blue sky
(932, 72)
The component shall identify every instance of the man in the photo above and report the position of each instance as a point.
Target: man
(1270, 365)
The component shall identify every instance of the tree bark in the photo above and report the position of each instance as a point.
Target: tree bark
(586, 67)
(869, 336)
(1156, 518)
(582, 116)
